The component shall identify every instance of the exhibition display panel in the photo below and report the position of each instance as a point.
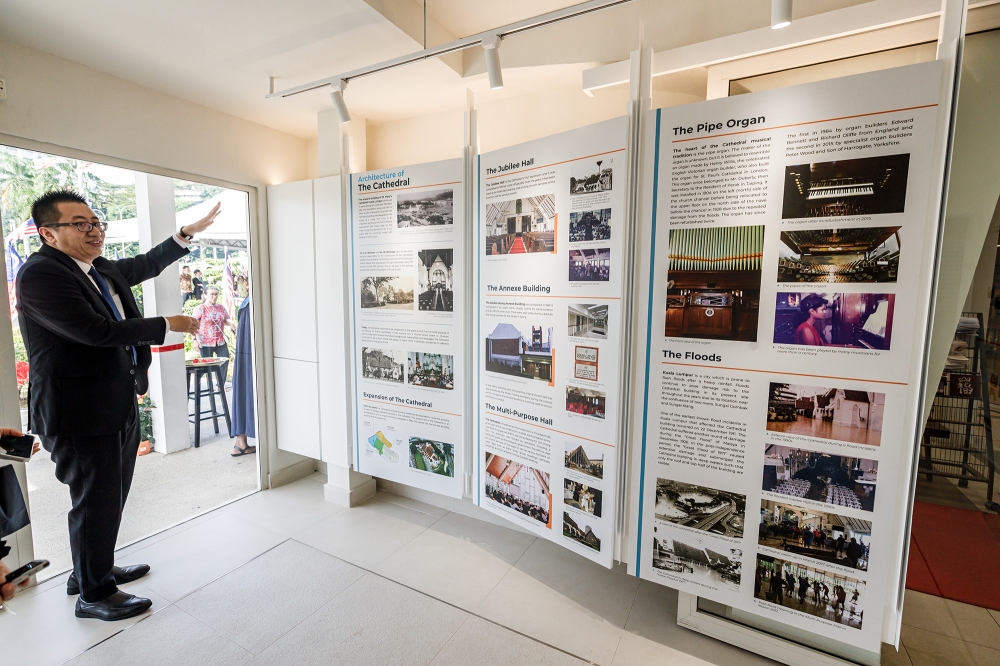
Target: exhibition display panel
(788, 237)
(548, 281)
(407, 239)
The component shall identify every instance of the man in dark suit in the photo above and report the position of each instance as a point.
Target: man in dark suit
(88, 351)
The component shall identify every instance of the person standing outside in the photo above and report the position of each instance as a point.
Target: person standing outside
(198, 284)
(187, 285)
(213, 319)
(88, 349)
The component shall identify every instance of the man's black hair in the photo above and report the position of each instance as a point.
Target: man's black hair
(45, 211)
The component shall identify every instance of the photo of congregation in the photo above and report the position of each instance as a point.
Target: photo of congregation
(518, 488)
(590, 225)
(430, 370)
(383, 364)
(697, 558)
(867, 254)
(859, 321)
(582, 497)
(591, 265)
(388, 293)
(425, 207)
(585, 458)
(585, 402)
(435, 280)
(809, 590)
(866, 186)
(821, 477)
(700, 507)
(844, 415)
(520, 226)
(819, 535)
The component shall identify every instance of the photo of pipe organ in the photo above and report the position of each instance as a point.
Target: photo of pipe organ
(865, 186)
(868, 254)
(713, 283)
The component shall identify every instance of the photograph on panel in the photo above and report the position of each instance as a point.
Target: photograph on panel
(810, 589)
(585, 402)
(387, 293)
(521, 226)
(710, 562)
(426, 207)
(426, 455)
(435, 280)
(430, 370)
(523, 353)
(591, 175)
(581, 529)
(867, 254)
(820, 535)
(700, 507)
(590, 265)
(587, 320)
(582, 497)
(821, 477)
(864, 186)
(383, 364)
(585, 457)
(713, 283)
(823, 319)
(518, 487)
(845, 415)
(585, 364)
(590, 225)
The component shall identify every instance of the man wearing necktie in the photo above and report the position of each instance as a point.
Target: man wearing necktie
(88, 351)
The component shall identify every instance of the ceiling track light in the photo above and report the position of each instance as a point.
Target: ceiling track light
(491, 47)
(337, 96)
(781, 14)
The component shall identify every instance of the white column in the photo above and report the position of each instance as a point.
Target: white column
(154, 197)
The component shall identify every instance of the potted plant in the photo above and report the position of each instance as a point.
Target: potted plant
(146, 407)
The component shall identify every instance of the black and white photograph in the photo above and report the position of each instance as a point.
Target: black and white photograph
(520, 351)
(590, 225)
(435, 371)
(581, 529)
(519, 488)
(810, 589)
(585, 457)
(718, 511)
(821, 535)
(383, 364)
(425, 207)
(587, 320)
(521, 226)
(698, 558)
(591, 175)
(387, 293)
(582, 497)
(866, 254)
(864, 186)
(821, 477)
(435, 280)
(590, 265)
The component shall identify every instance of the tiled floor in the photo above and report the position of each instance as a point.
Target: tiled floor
(283, 577)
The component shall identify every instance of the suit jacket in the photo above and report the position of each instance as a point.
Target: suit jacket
(81, 377)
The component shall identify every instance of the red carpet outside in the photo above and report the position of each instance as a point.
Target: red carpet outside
(955, 554)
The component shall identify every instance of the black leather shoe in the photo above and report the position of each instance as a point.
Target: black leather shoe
(118, 606)
(122, 575)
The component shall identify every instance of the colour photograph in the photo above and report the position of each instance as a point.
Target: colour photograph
(586, 458)
(821, 477)
(845, 415)
(713, 283)
(590, 225)
(585, 402)
(865, 186)
(867, 254)
(591, 265)
(518, 488)
(587, 320)
(582, 497)
(810, 590)
(383, 364)
(591, 175)
(693, 557)
(435, 280)
(702, 508)
(585, 363)
(581, 530)
(387, 293)
(859, 321)
(430, 370)
(425, 207)
(527, 354)
(434, 457)
(521, 226)
(820, 535)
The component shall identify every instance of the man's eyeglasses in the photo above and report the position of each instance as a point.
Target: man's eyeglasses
(85, 227)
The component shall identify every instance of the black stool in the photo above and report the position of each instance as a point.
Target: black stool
(209, 369)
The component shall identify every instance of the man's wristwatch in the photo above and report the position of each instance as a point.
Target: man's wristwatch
(187, 237)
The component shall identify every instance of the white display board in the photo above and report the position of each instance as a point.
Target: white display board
(548, 300)
(788, 246)
(408, 300)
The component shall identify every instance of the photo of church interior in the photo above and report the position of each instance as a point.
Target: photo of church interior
(584, 535)
(866, 186)
(862, 321)
(820, 477)
(521, 226)
(869, 254)
(590, 265)
(809, 590)
(582, 497)
(579, 459)
(713, 288)
(435, 280)
(590, 225)
(587, 321)
(509, 352)
(820, 535)
(431, 370)
(694, 558)
(518, 487)
(585, 402)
